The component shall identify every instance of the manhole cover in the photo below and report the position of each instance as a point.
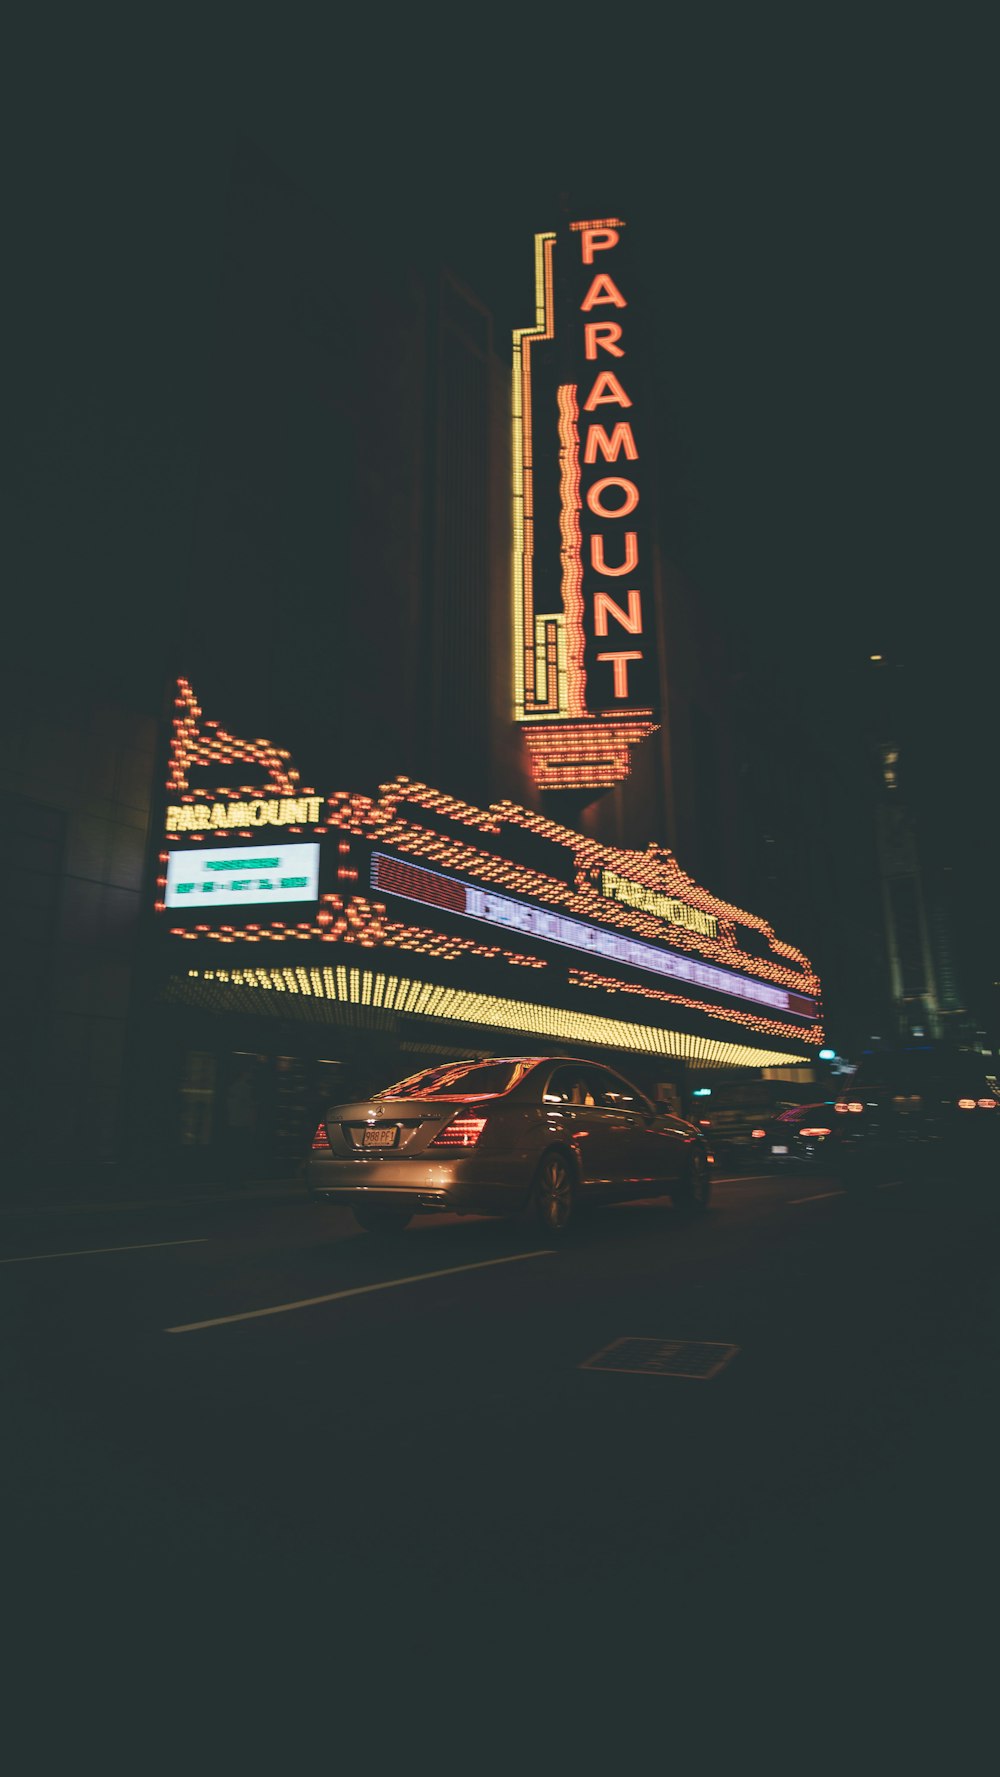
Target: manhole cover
(663, 1357)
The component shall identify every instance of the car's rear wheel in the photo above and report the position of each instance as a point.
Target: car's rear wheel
(376, 1220)
(695, 1193)
(553, 1195)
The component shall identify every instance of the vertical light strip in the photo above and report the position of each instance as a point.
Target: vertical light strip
(523, 514)
(550, 664)
(570, 552)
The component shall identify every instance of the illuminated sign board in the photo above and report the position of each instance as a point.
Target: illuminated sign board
(425, 905)
(433, 889)
(619, 888)
(243, 877)
(585, 665)
(263, 811)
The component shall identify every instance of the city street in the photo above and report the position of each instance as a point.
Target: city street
(246, 1420)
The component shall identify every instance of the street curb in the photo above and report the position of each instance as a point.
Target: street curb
(289, 1191)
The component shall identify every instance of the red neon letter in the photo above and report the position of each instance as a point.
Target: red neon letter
(597, 240)
(621, 670)
(631, 561)
(606, 392)
(631, 497)
(610, 448)
(603, 334)
(602, 290)
(605, 607)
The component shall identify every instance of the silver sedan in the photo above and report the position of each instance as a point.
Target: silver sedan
(496, 1137)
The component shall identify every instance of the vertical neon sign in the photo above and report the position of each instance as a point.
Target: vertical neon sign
(585, 672)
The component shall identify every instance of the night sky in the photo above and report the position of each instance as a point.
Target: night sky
(817, 203)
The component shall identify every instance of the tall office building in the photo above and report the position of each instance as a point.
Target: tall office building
(923, 977)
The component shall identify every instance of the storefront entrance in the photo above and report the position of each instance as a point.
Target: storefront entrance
(238, 1097)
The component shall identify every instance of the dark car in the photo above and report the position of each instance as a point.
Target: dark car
(498, 1136)
(795, 1137)
(920, 1112)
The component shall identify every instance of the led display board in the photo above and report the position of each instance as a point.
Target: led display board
(585, 659)
(434, 889)
(425, 905)
(243, 877)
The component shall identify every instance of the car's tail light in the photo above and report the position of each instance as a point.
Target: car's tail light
(757, 1134)
(461, 1132)
(987, 1104)
(841, 1107)
(854, 1106)
(814, 1131)
(319, 1139)
(966, 1104)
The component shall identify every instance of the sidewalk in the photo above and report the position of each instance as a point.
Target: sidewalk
(289, 1190)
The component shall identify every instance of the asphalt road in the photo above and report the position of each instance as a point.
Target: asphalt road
(243, 1431)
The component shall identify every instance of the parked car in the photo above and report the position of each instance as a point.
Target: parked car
(495, 1137)
(795, 1137)
(918, 1112)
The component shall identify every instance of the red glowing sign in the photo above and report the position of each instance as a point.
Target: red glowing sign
(585, 670)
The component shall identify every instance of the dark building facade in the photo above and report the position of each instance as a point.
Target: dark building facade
(75, 892)
(349, 554)
(351, 541)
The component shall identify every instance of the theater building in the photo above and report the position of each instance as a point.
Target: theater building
(423, 778)
(478, 858)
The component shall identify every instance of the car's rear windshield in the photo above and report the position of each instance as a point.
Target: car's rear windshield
(478, 1079)
(802, 1113)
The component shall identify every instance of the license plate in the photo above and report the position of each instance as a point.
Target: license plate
(776, 1150)
(379, 1138)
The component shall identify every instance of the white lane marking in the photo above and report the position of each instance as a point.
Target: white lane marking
(891, 1184)
(746, 1178)
(364, 1289)
(84, 1252)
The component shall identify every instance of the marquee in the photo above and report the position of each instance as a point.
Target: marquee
(415, 902)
